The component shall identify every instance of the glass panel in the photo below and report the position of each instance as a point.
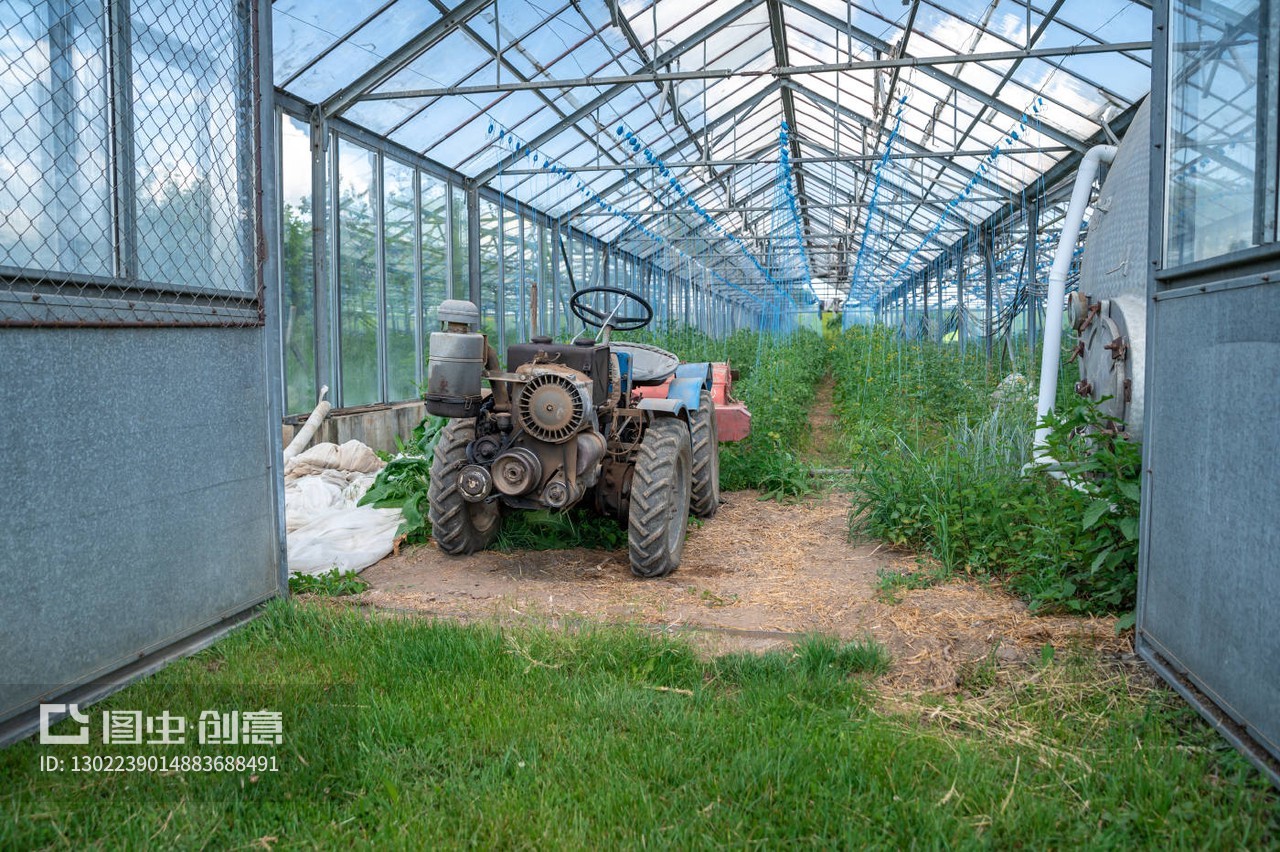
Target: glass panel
(297, 267)
(514, 299)
(435, 237)
(402, 305)
(55, 205)
(547, 319)
(357, 275)
(458, 218)
(532, 287)
(1214, 196)
(490, 268)
(192, 145)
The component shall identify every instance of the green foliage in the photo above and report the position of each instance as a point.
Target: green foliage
(545, 530)
(889, 583)
(942, 447)
(332, 584)
(403, 483)
(778, 390)
(426, 733)
(1097, 519)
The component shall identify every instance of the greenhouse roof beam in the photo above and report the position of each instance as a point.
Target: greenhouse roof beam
(1050, 180)
(921, 197)
(659, 77)
(951, 80)
(1045, 21)
(746, 106)
(845, 112)
(843, 158)
(401, 57)
(337, 42)
(612, 92)
(670, 93)
(778, 32)
(883, 121)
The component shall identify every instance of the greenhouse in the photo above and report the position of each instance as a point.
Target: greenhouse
(630, 422)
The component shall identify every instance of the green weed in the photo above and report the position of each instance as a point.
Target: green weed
(890, 583)
(545, 530)
(403, 483)
(941, 454)
(331, 584)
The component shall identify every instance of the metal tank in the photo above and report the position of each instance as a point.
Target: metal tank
(1108, 311)
(456, 363)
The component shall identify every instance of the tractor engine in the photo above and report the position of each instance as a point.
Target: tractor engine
(538, 442)
(551, 454)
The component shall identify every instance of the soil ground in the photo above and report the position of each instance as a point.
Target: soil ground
(757, 576)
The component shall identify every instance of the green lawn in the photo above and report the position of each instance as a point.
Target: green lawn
(416, 734)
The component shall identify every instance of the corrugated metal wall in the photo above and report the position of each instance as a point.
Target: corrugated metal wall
(1210, 542)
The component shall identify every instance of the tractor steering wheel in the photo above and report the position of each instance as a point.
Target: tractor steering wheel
(598, 319)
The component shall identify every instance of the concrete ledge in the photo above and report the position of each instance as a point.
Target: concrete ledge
(375, 425)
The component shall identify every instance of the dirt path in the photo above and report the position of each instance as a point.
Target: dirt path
(825, 449)
(756, 576)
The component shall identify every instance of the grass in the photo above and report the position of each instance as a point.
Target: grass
(403, 733)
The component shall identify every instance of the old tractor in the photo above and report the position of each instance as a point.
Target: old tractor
(622, 428)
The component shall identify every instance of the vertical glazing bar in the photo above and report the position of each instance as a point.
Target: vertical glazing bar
(473, 242)
(320, 217)
(380, 274)
(1033, 307)
(989, 274)
(335, 271)
(450, 285)
(500, 288)
(267, 262)
(419, 309)
(120, 112)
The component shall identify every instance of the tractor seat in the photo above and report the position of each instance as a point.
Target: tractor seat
(649, 364)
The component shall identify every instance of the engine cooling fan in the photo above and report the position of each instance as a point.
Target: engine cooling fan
(552, 407)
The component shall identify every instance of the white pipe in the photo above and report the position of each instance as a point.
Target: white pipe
(1054, 301)
(308, 430)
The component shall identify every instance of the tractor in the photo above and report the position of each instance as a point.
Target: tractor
(624, 429)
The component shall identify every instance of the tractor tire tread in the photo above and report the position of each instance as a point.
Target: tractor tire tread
(705, 467)
(654, 486)
(452, 522)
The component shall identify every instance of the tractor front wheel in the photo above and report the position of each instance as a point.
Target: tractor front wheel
(706, 458)
(660, 493)
(458, 525)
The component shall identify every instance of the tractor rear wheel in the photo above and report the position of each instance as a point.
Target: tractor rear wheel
(458, 525)
(706, 458)
(660, 490)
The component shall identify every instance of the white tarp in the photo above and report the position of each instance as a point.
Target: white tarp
(326, 529)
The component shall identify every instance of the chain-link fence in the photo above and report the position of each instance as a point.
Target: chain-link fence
(127, 179)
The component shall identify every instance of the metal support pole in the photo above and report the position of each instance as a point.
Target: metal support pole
(320, 216)
(1033, 307)
(962, 330)
(473, 241)
(989, 273)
